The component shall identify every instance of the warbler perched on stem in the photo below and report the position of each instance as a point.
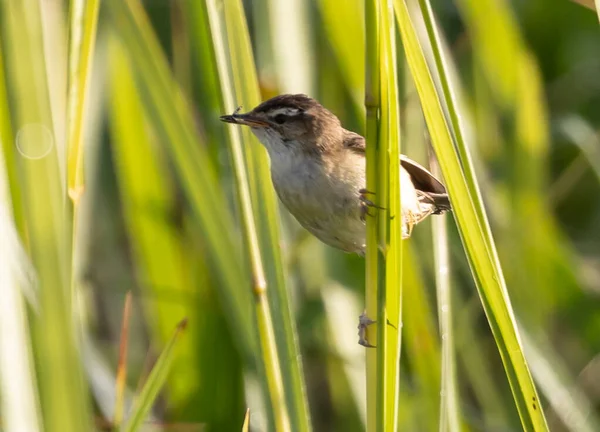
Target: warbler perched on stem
(318, 170)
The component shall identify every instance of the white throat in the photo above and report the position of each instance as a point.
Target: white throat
(280, 152)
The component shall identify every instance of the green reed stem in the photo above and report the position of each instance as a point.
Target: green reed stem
(270, 356)
(372, 104)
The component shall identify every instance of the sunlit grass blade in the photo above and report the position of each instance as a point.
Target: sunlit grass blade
(246, 425)
(373, 106)
(168, 111)
(259, 286)
(266, 214)
(19, 403)
(472, 225)
(47, 223)
(449, 400)
(384, 230)
(391, 226)
(82, 38)
(144, 401)
(8, 148)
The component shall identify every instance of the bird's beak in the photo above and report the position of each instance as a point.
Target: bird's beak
(244, 119)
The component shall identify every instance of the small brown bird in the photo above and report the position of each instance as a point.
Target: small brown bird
(318, 170)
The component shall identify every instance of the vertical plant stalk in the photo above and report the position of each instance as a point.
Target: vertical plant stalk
(384, 232)
(84, 22)
(391, 224)
(372, 105)
(382, 197)
(270, 356)
(449, 413)
(57, 354)
(247, 92)
(8, 149)
(18, 383)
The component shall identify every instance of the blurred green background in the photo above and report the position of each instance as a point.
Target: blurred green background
(159, 215)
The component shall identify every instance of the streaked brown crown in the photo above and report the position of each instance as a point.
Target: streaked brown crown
(298, 101)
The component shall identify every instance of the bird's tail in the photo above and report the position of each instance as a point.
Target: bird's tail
(439, 201)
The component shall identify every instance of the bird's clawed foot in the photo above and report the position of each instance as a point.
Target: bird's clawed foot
(410, 220)
(408, 224)
(366, 204)
(363, 322)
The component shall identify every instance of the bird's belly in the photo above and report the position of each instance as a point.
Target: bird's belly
(329, 209)
(346, 233)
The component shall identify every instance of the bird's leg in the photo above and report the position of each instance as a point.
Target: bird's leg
(411, 219)
(366, 203)
(409, 225)
(363, 322)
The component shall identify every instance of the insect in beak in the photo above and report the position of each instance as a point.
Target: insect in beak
(244, 119)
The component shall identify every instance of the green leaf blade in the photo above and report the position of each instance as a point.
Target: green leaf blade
(147, 396)
(472, 228)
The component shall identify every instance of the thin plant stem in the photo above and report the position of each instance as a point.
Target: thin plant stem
(383, 296)
(246, 90)
(270, 356)
(391, 223)
(82, 41)
(449, 413)
(121, 379)
(84, 21)
(372, 104)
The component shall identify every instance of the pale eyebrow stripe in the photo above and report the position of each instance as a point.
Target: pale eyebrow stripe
(286, 111)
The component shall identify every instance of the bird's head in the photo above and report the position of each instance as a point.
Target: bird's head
(292, 123)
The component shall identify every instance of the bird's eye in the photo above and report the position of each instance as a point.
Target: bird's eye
(280, 118)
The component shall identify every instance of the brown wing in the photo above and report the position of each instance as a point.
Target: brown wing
(421, 177)
(354, 141)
